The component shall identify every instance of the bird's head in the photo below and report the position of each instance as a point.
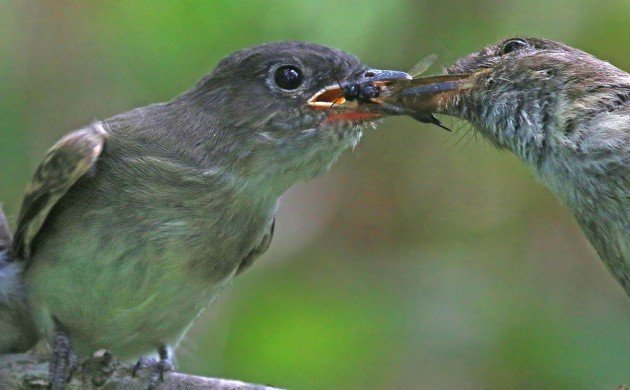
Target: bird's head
(528, 95)
(280, 108)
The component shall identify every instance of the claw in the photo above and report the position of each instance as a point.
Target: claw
(157, 367)
(100, 367)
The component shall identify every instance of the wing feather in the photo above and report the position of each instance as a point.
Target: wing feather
(258, 250)
(65, 163)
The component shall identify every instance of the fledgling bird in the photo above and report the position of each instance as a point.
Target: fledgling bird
(131, 225)
(564, 113)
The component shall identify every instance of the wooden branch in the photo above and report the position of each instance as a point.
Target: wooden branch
(27, 371)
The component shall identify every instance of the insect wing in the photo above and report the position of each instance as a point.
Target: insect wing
(423, 65)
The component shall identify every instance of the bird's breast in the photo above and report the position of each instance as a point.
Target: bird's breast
(132, 254)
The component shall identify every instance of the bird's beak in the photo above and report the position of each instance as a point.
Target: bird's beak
(397, 94)
(424, 95)
(385, 76)
(335, 96)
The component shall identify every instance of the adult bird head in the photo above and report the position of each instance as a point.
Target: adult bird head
(566, 114)
(273, 110)
(529, 95)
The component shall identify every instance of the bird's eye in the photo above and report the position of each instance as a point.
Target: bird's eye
(514, 45)
(288, 77)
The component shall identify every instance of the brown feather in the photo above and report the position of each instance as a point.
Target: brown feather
(65, 163)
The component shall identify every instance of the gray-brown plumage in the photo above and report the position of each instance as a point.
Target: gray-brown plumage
(567, 115)
(66, 162)
(564, 113)
(133, 224)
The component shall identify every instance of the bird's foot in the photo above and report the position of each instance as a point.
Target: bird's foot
(157, 367)
(100, 367)
(63, 362)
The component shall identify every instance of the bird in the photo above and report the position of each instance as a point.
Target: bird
(564, 113)
(132, 225)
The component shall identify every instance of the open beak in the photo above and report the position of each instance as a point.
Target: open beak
(391, 93)
(335, 95)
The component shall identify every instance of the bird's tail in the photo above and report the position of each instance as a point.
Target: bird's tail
(17, 332)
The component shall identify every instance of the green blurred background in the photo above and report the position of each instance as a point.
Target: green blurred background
(422, 260)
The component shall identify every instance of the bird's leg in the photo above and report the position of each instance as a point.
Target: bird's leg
(158, 368)
(164, 364)
(63, 362)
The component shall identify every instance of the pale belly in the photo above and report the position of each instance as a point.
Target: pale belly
(122, 271)
(124, 310)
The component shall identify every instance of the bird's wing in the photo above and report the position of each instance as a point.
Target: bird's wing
(259, 249)
(65, 163)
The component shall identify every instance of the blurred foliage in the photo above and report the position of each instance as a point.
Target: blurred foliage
(423, 260)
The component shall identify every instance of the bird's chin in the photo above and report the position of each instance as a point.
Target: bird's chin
(349, 129)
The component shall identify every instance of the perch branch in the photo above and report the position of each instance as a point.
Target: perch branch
(27, 371)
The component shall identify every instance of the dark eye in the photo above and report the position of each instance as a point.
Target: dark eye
(288, 77)
(514, 45)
